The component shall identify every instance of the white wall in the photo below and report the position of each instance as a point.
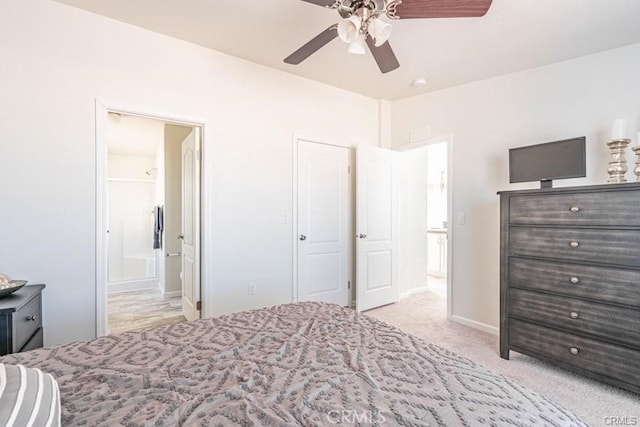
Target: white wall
(56, 60)
(132, 167)
(573, 98)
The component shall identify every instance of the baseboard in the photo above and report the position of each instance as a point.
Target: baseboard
(413, 291)
(138, 285)
(172, 294)
(476, 325)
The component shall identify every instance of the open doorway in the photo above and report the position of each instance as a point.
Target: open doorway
(437, 213)
(424, 232)
(151, 221)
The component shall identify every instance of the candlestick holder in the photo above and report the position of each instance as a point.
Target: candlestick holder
(617, 163)
(636, 171)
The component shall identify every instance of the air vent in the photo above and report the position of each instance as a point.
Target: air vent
(420, 134)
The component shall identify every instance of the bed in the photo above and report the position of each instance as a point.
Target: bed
(294, 364)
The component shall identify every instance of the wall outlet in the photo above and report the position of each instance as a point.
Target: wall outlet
(252, 288)
(460, 219)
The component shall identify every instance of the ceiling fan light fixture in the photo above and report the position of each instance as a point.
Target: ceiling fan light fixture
(380, 31)
(349, 29)
(357, 47)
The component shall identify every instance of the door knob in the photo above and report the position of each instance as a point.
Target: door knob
(181, 236)
(303, 237)
(362, 236)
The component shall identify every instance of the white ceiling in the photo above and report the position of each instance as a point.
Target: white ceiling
(513, 36)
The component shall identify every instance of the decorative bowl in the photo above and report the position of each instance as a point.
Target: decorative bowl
(8, 286)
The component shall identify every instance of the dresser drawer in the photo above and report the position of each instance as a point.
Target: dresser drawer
(600, 320)
(613, 285)
(592, 356)
(36, 341)
(20, 320)
(27, 320)
(620, 247)
(602, 208)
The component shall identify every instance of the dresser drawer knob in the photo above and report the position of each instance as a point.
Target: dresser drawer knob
(31, 318)
(575, 280)
(574, 350)
(573, 315)
(574, 244)
(575, 209)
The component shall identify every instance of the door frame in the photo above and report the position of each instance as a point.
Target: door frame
(294, 214)
(102, 109)
(448, 138)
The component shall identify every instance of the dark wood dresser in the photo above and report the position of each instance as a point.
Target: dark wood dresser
(21, 320)
(570, 279)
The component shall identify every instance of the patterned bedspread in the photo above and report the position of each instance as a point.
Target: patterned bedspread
(294, 364)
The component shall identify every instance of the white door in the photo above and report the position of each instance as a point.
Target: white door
(190, 226)
(323, 223)
(376, 224)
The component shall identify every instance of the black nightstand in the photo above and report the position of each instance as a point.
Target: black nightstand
(21, 320)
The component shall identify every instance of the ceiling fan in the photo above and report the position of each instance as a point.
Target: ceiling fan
(362, 24)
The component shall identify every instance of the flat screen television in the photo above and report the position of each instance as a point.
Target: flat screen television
(548, 161)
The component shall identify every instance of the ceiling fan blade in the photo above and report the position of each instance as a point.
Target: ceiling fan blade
(325, 3)
(384, 56)
(312, 45)
(409, 9)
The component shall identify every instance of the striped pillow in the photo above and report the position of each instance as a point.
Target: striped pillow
(28, 397)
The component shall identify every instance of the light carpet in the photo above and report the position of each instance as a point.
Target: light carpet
(595, 403)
